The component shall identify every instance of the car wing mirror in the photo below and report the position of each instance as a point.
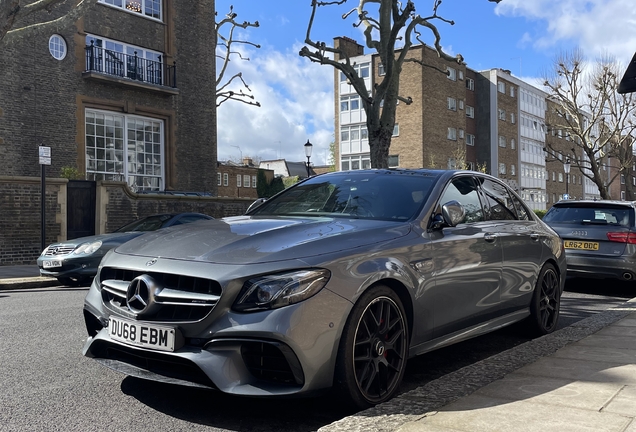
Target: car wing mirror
(255, 204)
(453, 213)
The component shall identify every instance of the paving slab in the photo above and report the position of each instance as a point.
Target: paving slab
(478, 413)
(553, 391)
(624, 402)
(581, 370)
(594, 353)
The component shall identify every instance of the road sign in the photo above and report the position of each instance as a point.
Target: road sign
(45, 155)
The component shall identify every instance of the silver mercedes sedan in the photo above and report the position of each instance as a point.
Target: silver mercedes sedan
(333, 283)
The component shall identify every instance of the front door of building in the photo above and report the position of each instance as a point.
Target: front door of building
(80, 209)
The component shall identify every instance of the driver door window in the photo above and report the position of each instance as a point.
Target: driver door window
(464, 191)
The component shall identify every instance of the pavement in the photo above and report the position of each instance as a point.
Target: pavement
(580, 378)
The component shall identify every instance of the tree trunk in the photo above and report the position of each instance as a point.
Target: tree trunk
(379, 143)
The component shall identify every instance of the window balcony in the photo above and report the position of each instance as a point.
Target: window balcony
(130, 69)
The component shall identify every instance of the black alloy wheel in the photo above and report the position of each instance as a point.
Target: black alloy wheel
(546, 301)
(376, 348)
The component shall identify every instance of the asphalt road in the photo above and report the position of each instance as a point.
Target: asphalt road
(46, 384)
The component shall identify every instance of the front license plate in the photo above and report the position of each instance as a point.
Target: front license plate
(581, 245)
(51, 263)
(142, 334)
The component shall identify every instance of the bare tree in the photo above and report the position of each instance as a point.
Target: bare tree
(396, 20)
(594, 116)
(14, 12)
(224, 90)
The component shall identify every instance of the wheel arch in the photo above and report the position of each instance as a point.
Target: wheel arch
(404, 295)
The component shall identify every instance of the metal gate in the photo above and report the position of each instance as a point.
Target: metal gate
(80, 208)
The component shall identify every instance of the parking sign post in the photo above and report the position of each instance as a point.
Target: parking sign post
(45, 159)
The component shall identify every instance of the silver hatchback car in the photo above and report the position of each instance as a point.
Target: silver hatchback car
(334, 282)
(599, 237)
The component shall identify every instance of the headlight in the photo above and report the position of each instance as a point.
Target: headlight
(87, 248)
(278, 290)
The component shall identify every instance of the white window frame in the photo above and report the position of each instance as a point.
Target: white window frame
(461, 75)
(502, 168)
(513, 170)
(502, 114)
(502, 141)
(218, 179)
(560, 177)
(239, 177)
(512, 91)
(451, 134)
(113, 153)
(57, 47)
(460, 134)
(470, 139)
(470, 111)
(226, 179)
(452, 103)
(253, 181)
(513, 143)
(452, 73)
(501, 87)
(461, 104)
(513, 120)
(470, 84)
(246, 180)
(124, 5)
(396, 130)
(381, 70)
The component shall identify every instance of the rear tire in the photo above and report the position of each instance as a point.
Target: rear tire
(373, 349)
(546, 302)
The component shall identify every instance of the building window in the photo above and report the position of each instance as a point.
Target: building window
(226, 179)
(513, 143)
(513, 170)
(461, 75)
(470, 84)
(470, 139)
(501, 87)
(253, 181)
(512, 118)
(460, 133)
(396, 130)
(238, 180)
(461, 104)
(381, 71)
(355, 162)
(502, 168)
(622, 195)
(246, 181)
(149, 8)
(502, 114)
(125, 147)
(452, 73)
(218, 179)
(512, 91)
(451, 164)
(452, 134)
(57, 47)
(470, 111)
(622, 178)
(502, 141)
(452, 104)
(561, 177)
(394, 161)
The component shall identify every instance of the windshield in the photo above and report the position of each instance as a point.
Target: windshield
(589, 215)
(368, 195)
(150, 223)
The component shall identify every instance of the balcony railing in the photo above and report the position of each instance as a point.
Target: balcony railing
(129, 66)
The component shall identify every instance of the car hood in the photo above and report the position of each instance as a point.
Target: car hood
(251, 240)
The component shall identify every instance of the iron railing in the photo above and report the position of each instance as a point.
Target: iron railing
(114, 63)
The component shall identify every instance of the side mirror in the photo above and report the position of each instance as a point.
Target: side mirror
(255, 204)
(453, 213)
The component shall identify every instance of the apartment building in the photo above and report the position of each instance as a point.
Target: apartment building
(473, 119)
(124, 93)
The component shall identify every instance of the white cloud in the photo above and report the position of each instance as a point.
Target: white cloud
(296, 98)
(597, 26)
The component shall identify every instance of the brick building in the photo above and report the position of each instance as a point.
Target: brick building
(240, 180)
(125, 93)
(473, 119)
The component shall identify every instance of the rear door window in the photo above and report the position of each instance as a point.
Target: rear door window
(499, 204)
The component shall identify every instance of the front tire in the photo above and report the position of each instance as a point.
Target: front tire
(546, 302)
(373, 349)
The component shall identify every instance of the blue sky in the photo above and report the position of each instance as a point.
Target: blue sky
(297, 96)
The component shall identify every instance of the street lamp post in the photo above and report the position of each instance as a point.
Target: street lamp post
(308, 147)
(566, 169)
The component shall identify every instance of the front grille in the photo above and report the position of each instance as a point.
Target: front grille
(59, 250)
(180, 299)
(267, 362)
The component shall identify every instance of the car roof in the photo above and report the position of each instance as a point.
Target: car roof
(594, 203)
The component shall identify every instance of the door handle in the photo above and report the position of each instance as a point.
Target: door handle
(534, 236)
(490, 237)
